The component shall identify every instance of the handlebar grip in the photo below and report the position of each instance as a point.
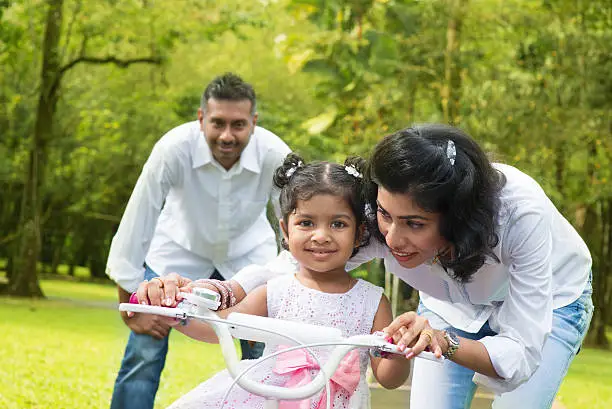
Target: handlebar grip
(152, 309)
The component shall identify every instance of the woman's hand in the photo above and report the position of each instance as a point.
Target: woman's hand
(163, 291)
(413, 331)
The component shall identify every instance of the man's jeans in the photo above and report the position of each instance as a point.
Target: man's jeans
(453, 384)
(143, 362)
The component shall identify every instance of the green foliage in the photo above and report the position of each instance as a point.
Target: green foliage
(530, 80)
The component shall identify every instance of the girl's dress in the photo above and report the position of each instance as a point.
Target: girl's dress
(352, 312)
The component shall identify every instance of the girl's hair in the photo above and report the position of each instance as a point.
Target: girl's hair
(300, 181)
(446, 172)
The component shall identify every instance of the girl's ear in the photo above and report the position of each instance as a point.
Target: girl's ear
(360, 234)
(285, 240)
(283, 228)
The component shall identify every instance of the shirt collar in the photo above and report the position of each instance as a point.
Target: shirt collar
(249, 157)
(202, 155)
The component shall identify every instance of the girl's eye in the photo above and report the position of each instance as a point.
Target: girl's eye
(305, 223)
(338, 225)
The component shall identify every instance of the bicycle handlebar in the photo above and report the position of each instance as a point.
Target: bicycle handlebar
(260, 328)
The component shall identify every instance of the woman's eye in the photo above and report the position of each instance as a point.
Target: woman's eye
(414, 225)
(384, 214)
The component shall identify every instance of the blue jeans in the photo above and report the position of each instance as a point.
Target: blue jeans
(450, 386)
(143, 361)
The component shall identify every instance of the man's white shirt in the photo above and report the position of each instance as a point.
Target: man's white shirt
(189, 215)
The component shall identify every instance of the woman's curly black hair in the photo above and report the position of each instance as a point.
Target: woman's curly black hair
(465, 193)
(298, 180)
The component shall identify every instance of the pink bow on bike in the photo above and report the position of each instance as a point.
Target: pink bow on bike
(299, 362)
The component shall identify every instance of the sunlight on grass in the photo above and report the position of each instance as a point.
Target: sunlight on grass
(79, 291)
(63, 353)
(588, 383)
(58, 355)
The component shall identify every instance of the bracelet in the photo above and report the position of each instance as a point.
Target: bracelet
(228, 299)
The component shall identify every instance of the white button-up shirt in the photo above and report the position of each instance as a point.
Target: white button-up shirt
(189, 215)
(544, 264)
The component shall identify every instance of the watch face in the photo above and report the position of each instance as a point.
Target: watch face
(453, 343)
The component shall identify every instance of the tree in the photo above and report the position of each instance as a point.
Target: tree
(24, 280)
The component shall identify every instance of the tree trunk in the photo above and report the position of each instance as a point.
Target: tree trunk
(24, 281)
(451, 89)
(593, 232)
(57, 255)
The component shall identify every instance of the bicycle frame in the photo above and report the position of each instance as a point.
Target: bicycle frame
(266, 329)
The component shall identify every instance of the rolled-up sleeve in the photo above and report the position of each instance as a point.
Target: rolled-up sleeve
(524, 320)
(131, 242)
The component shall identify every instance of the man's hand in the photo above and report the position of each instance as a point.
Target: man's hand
(154, 325)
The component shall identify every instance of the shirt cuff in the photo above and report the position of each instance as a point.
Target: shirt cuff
(510, 363)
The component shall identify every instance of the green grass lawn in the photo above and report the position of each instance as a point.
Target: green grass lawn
(588, 383)
(64, 352)
(57, 354)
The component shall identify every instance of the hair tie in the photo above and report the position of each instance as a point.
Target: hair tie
(451, 152)
(351, 170)
(292, 169)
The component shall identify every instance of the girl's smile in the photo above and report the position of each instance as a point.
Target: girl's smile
(321, 233)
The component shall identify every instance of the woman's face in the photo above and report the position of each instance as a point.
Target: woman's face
(412, 234)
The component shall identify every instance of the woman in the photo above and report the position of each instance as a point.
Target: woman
(504, 279)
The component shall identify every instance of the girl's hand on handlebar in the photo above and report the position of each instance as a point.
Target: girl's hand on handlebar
(413, 331)
(163, 291)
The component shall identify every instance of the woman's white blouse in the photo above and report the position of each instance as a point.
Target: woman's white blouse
(544, 264)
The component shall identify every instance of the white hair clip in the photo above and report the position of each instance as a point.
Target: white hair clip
(351, 170)
(451, 152)
(292, 169)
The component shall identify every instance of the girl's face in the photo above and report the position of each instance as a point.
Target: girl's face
(321, 233)
(412, 234)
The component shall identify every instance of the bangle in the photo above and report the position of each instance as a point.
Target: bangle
(228, 299)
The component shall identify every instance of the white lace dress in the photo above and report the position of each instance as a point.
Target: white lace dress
(352, 312)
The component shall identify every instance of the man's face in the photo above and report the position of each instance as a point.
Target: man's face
(227, 126)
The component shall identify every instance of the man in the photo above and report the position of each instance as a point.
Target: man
(198, 209)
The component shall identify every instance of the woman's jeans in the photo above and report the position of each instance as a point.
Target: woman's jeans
(450, 386)
(143, 362)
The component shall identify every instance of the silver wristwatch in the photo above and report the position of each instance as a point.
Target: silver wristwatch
(453, 344)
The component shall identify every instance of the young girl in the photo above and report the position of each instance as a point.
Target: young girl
(322, 226)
